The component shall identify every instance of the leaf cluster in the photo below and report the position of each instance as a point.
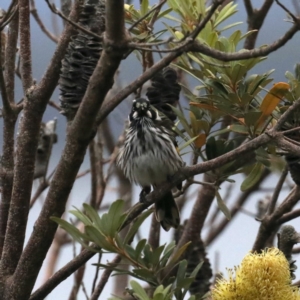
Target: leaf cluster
(149, 265)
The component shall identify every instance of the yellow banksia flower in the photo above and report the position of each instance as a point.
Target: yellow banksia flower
(261, 276)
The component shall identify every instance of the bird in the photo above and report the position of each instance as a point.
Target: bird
(149, 155)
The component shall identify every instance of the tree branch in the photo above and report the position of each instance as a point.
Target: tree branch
(215, 231)
(277, 190)
(269, 223)
(255, 20)
(78, 138)
(9, 122)
(37, 18)
(289, 216)
(104, 278)
(62, 274)
(25, 44)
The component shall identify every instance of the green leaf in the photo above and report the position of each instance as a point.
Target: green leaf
(93, 215)
(189, 142)
(184, 283)
(226, 12)
(183, 121)
(81, 216)
(181, 270)
(148, 254)
(253, 177)
(221, 204)
(139, 248)
(167, 253)
(161, 289)
(252, 117)
(157, 254)
(144, 7)
(139, 291)
(196, 270)
(115, 217)
(76, 234)
(239, 129)
(177, 255)
(136, 225)
(144, 273)
(99, 239)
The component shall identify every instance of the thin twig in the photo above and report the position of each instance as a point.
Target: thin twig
(93, 169)
(11, 11)
(289, 216)
(277, 190)
(104, 278)
(56, 11)
(295, 19)
(54, 105)
(96, 272)
(62, 274)
(43, 185)
(39, 21)
(155, 8)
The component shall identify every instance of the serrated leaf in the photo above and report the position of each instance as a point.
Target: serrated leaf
(222, 206)
(253, 177)
(139, 291)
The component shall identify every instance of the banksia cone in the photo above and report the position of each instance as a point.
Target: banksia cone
(164, 91)
(81, 58)
(294, 122)
(287, 238)
(196, 254)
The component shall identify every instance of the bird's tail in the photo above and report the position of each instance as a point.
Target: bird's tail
(166, 212)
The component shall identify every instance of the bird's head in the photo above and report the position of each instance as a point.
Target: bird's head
(141, 108)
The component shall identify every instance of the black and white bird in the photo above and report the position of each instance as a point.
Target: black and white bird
(149, 155)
